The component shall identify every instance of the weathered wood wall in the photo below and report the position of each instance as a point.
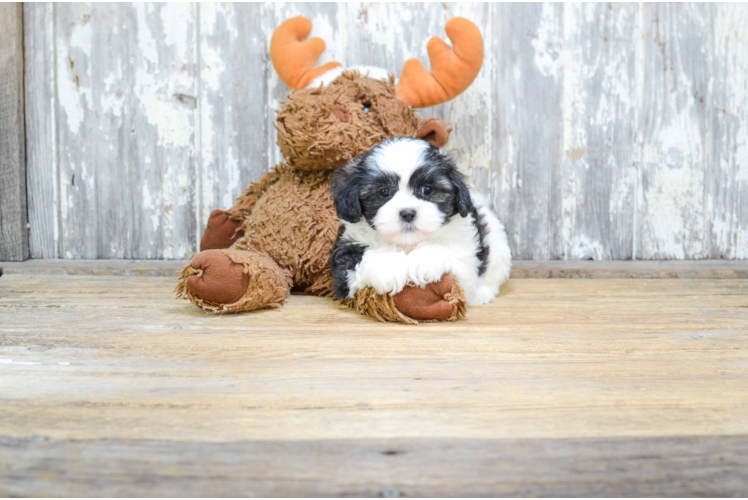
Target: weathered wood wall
(14, 239)
(603, 131)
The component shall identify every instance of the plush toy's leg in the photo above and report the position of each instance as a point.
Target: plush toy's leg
(443, 300)
(221, 232)
(233, 281)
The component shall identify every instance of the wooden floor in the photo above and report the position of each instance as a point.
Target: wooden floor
(111, 387)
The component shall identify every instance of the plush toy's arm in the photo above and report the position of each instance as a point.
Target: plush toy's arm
(225, 227)
(440, 301)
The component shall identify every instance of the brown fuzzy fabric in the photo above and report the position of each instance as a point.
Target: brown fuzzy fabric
(249, 197)
(433, 131)
(221, 231)
(295, 223)
(288, 218)
(312, 137)
(218, 279)
(267, 285)
(384, 307)
(427, 303)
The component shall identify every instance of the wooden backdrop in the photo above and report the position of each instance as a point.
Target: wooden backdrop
(599, 131)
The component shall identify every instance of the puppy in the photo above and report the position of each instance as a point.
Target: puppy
(409, 217)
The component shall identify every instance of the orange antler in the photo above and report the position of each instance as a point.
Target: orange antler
(293, 58)
(452, 70)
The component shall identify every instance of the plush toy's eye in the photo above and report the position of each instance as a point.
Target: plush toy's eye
(426, 190)
(384, 193)
(367, 106)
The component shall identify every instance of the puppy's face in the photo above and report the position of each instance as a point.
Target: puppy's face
(404, 188)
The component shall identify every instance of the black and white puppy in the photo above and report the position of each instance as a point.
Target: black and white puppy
(409, 217)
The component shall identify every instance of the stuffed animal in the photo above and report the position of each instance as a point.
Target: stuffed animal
(280, 232)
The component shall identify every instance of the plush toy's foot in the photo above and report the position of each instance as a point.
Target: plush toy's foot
(221, 231)
(233, 281)
(443, 300)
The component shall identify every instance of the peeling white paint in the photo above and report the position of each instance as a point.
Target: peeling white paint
(674, 212)
(585, 249)
(176, 23)
(74, 72)
(82, 38)
(169, 118)
(690, 185)
(146, 41)
(546, 42)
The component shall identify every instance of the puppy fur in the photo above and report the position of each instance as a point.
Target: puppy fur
(408, 216)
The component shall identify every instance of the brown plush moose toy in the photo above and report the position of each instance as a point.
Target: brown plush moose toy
(282, 228)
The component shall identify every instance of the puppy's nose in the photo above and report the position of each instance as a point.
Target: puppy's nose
(407, 215)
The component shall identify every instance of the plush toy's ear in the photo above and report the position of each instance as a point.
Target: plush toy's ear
(345, 188)
(433, 131)
(463, 202)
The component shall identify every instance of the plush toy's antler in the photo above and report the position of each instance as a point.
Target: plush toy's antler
(293, 58)
(452, 70)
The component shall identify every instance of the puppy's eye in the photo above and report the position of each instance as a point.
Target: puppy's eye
(367, 106)
(426, 190)
(384, 193)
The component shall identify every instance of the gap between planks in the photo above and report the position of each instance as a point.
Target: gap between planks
(638, 269)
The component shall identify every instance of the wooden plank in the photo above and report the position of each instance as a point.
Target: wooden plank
(127, 91)
(675, 132)
(14, 239)
(528, 124)
(42, 169)
(728, 171)
(639, 269)
(233, 99)
(78, 126)
(96, 267)
(629, 358)
(580, 387)
(592, 216)
(554, 151)
(680, 466)
(647, 269)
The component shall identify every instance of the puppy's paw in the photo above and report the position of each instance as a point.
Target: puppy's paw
(389, 282)
(428, 265)
(385, 272)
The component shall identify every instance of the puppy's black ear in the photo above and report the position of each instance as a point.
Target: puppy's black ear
(463, 202)
(345, 186)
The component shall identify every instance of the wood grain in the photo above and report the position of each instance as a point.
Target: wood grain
(641, 269)
(14, 239)
(125, 77)
(527, 123)
(681, 466)
(728, 170)
(42, 168)
(596, 131)
(591, 217)
(529, 394)
(675, 133)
